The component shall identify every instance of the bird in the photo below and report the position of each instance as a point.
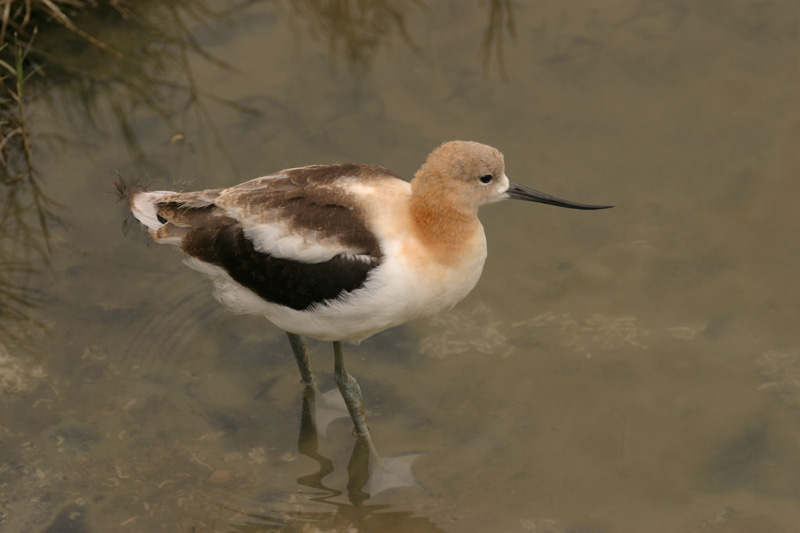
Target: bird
(340, 252)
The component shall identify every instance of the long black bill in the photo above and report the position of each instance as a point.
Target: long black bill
(518, 192)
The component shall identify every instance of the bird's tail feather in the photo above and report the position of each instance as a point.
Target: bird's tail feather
(141, 202)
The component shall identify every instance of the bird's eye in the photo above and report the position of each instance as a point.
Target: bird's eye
(486, 179)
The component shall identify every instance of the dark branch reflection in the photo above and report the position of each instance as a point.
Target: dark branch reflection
(501, 20)
(354, 29)
(27, 214)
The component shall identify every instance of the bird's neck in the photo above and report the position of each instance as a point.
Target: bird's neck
(441, 223)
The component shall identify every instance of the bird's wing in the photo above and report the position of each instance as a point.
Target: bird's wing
(295, 238)
(305, 214)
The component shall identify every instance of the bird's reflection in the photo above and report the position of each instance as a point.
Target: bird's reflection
(308, 444)
(368, 474)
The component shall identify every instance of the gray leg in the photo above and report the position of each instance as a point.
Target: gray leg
(301, 356)
(351, 392)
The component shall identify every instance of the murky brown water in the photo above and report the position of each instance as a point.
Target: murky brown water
(632, 370)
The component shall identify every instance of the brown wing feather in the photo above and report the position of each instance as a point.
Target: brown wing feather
(209, 224)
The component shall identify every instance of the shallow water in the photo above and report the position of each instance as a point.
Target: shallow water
(631, 370)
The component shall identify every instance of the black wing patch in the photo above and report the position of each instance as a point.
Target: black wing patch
(281, 281)
(307, 201)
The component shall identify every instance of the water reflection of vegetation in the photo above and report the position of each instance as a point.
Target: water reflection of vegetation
(26, 213)
(151, 69)
(21, 15)
(354, 29)
(106, 62)
(501, 18)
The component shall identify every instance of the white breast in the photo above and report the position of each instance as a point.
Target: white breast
(397, 291)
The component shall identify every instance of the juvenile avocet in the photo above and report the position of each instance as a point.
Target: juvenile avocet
(340, 252)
